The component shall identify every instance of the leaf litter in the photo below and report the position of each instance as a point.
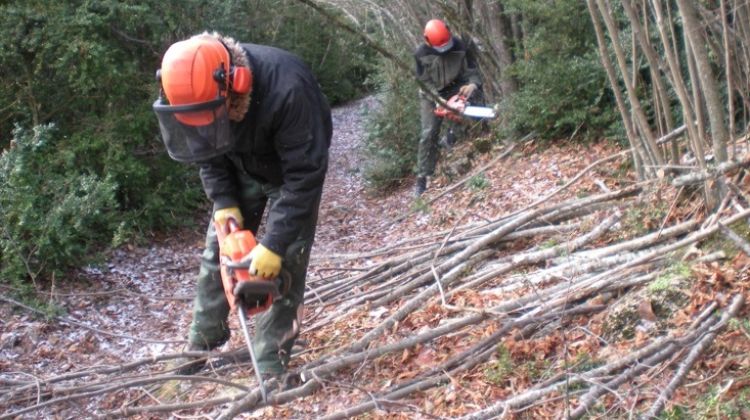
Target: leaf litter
(537, 354)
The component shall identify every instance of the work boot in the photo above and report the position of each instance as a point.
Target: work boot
(421, 185)
(448, 140)
(190, 365)
(187, 366)
(281, 381)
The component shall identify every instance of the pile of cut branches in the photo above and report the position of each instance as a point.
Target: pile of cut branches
(485, 319)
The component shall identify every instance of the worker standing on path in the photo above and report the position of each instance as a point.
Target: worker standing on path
(445, 65)
(254, 120)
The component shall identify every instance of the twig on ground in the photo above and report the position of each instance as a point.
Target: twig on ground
(74, 323)
(695, 353)
(738, 240)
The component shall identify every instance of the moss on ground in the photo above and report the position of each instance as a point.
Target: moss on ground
(667, 294)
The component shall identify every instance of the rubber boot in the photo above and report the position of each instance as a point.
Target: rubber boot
(191, 365)
(448, 140)
(421, 186)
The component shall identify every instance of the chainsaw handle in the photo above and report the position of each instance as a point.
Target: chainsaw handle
(452, 108)
(245, 265)
(239, 265)
(258, 295)
(233, 225)
(258, 289)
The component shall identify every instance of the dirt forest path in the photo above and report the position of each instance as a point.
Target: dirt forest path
(137, 303)
(346, 213)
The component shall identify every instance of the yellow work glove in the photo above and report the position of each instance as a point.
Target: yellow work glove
(265, 263)
(222, 217)
(467, 90)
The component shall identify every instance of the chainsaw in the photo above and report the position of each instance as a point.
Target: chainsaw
(247, 294)
(457, 107)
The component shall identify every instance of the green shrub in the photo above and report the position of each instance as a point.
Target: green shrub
(499, 370)
(340, 61)
(392, 129)
(479, 182)
(51, 214)
(562, 86)
(57, 207)
(101, 176)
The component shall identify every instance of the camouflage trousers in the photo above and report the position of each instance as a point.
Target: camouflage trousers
(276, 329)
(427, 152)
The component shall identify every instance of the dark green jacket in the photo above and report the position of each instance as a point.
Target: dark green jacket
(283, 140)
(446, 72)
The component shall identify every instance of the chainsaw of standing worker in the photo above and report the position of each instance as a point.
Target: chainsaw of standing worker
(457, 107)
(249, 295)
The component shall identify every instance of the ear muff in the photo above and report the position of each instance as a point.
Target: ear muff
(240, 77)
(242, 80)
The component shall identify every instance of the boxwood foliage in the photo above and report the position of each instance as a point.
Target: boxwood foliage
(83, 167)
(50, 211)
(392, 129)
(562, 86)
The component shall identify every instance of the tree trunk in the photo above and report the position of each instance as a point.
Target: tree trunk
(500, 30)
(695, 84)
(670, 52)
(653, 152)
(655, 64)
(710, 87)
(728, 62)
(612, 76)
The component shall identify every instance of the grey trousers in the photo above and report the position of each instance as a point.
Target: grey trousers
(427, 152)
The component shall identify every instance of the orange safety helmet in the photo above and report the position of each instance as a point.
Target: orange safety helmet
(199, 83)
(438, 36)
(199, 71)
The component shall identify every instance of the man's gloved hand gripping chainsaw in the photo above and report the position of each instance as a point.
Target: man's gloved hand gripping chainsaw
(249, 295)
(458, 107)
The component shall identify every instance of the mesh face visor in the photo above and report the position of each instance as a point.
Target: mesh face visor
(194, 132)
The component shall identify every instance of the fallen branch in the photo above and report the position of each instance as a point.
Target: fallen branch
(118, 386)
(483, 262)
(652, 351)
(490, 164)
(695, 353)
(546, 254)
(701, 176)
(75, 323)
(588, 400)
(741, 243)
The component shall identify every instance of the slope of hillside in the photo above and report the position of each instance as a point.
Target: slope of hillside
(544, 280)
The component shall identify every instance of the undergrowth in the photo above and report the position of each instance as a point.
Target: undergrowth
(57, 213)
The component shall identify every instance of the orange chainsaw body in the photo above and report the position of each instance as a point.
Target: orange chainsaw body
(233, 248)
(457, 103)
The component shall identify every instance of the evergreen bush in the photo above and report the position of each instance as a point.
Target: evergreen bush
(392, 130)
(340, 62)
(51, 212)
(87, 168)
(563, 89)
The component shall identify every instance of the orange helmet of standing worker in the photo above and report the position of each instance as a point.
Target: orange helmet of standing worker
(198, 78)
(438, 36)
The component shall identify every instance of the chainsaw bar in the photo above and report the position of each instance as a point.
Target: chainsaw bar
(253, 359)
(479, 112)
(458, 106)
